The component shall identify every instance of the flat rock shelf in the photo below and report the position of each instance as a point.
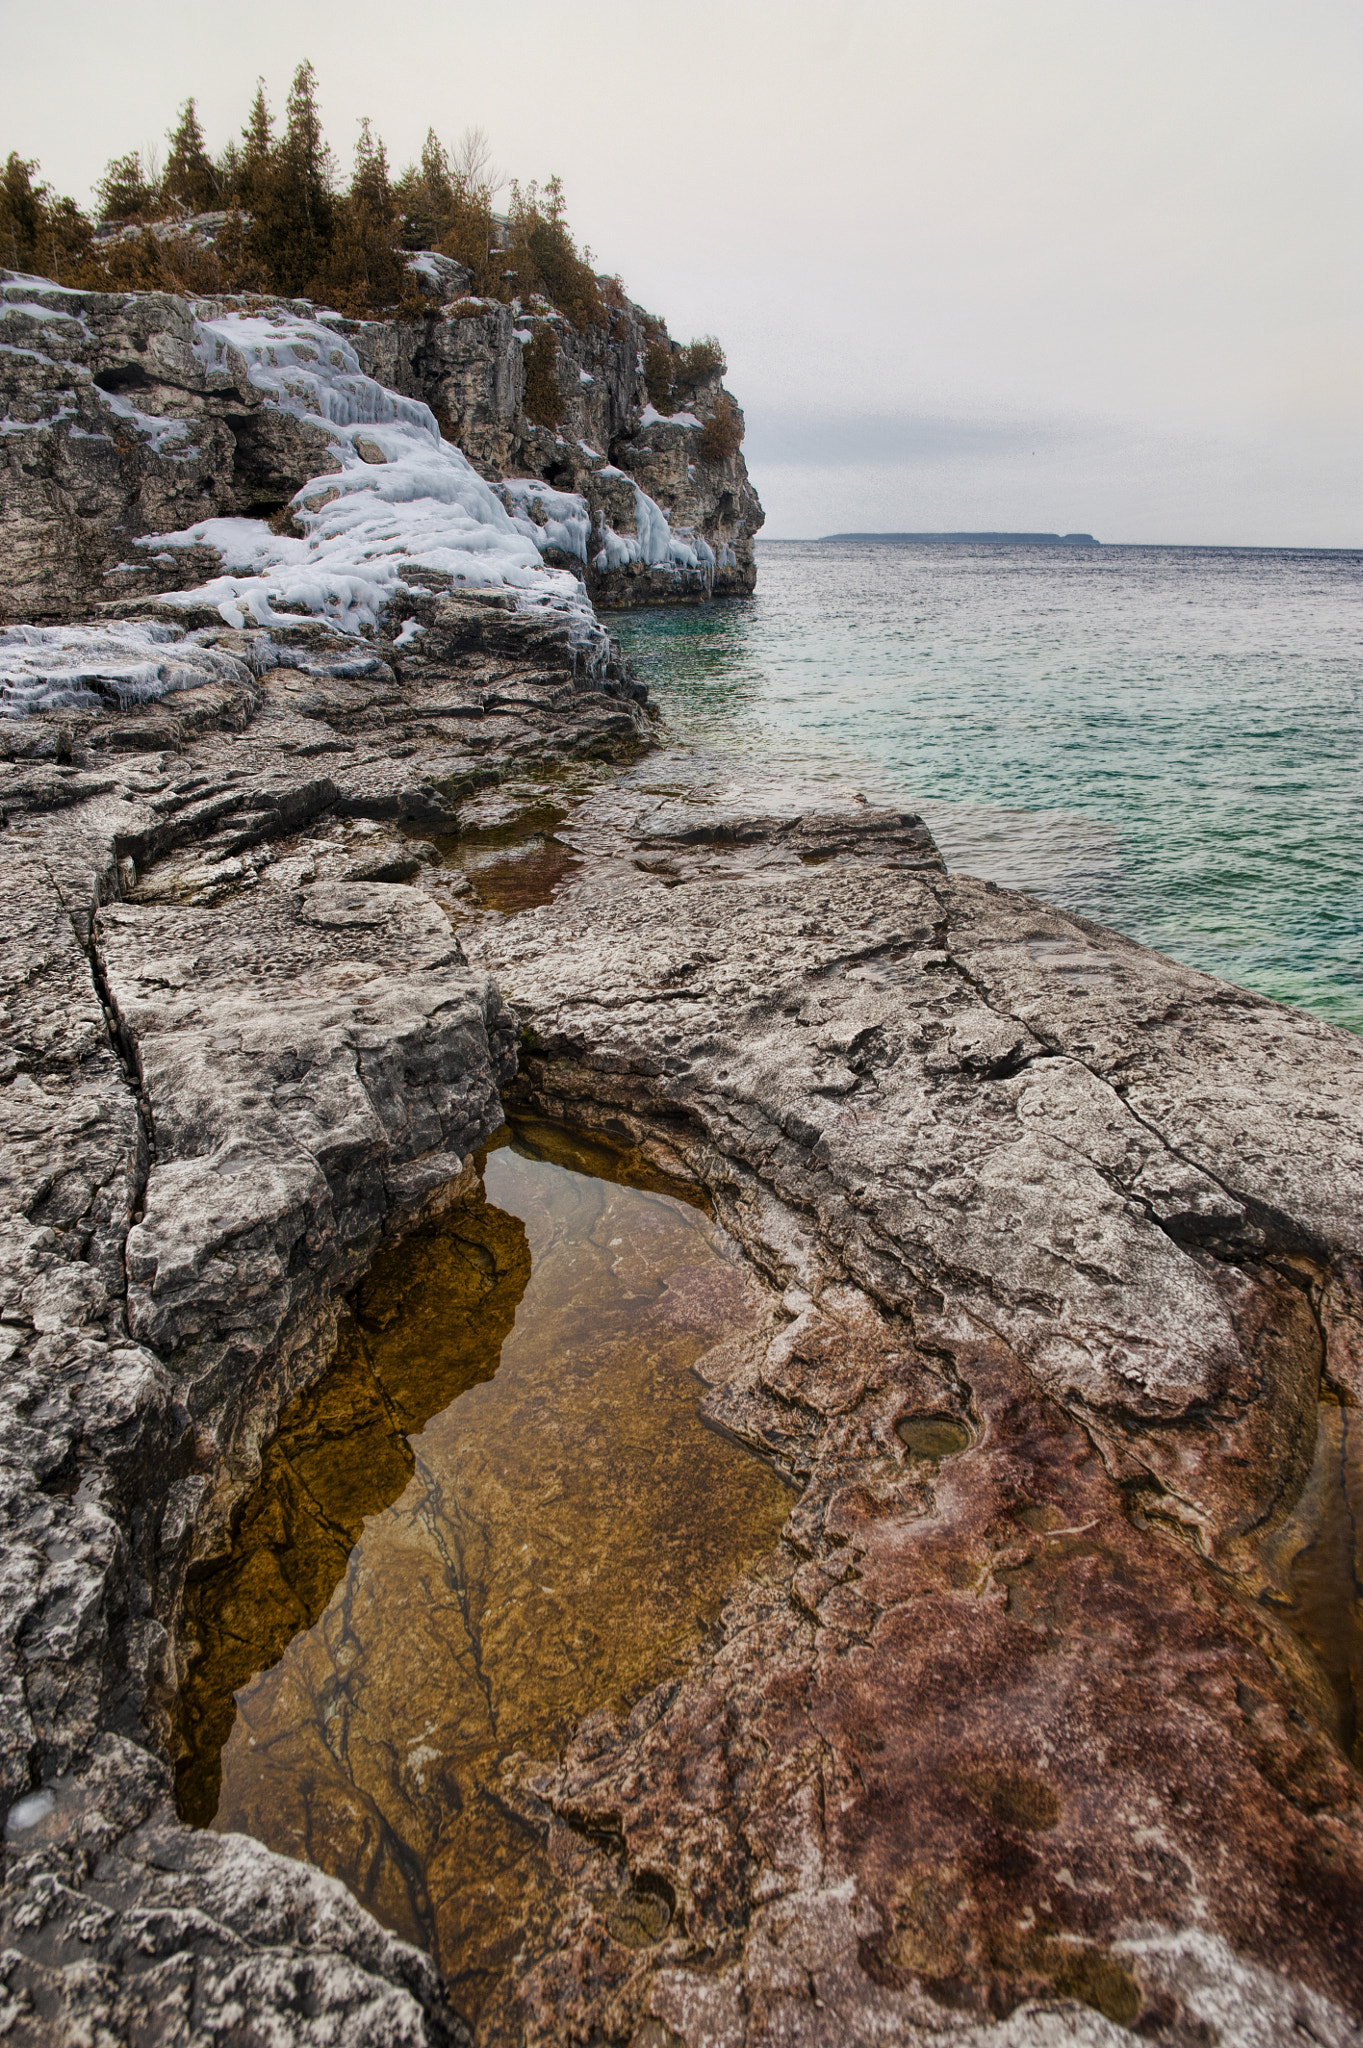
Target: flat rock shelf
(1026, 1718)
(500, 1512)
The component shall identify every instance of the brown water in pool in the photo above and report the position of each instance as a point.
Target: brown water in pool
(1316, 1559)
(513, 866)
(500, 1512)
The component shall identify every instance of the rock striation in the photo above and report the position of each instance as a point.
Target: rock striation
(220, 1095)
(1012, 1739)
(1068, 1244)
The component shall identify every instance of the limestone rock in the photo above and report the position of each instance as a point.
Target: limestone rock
(1062, 1227)
(1017, 1737)
(234, 1061)
(117, 426)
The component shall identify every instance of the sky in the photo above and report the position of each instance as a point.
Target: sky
(1041, 265)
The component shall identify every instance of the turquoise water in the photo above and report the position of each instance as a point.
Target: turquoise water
(1168, 740)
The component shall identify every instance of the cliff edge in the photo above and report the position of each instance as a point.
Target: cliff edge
(153, 443)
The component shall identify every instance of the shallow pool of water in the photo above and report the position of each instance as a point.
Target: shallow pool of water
(512, 866)
(1316, 1559)
(501, 1511)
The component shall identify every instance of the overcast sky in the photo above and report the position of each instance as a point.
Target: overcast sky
(1040, 264)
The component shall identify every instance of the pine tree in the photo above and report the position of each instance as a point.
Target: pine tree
(227, 173)
(545, 259)
(291, 197)
(366, 273)
(126, 191)
(39, 232)
(21, 214)
(189, 174)
(257, 142)
(425, 196)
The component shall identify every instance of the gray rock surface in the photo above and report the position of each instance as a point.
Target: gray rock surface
(1014, 1741)
(1069, 1239)
(113, 428)
(223, 1086)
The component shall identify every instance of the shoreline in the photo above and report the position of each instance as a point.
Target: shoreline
(1024, 1733)
(827, 1032)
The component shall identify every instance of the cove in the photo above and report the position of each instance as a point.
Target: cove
(501, 1511)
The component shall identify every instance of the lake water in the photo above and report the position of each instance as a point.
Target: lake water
(1169, 740)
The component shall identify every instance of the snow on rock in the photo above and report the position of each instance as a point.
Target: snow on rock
(654, 543)
(170, 437)
(564, 520)
(399, 497)
(651, 417)
(91, 668)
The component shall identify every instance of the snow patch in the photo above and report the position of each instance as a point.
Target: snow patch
(160, 431)
(364, 522)
(91, 668)
(651, 417)
(28, 1811)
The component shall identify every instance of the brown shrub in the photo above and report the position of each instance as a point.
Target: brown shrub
(722, 434)
(658, 371)
(698, 361)
(543, 403)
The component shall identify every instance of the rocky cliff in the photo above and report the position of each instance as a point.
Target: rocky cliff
(120, 424)
(1039, 1725)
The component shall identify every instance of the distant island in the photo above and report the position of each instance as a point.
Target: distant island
(1041, 540)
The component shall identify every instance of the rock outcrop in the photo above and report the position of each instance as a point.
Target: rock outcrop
(1069, 1238)
(119, 423)
(1033, 1728)
(219, 1097)
(1018, 1737)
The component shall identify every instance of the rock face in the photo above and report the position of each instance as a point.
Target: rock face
(218, 1100)
(469, 367)
(1070, 1242)
(117, 424)
(1030, 1730)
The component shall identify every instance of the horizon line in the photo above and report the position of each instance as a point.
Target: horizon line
(1268, 547)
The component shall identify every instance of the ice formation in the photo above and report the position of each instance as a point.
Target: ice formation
(398, 503)
(399, 496)
(654, 542)
(90, 668)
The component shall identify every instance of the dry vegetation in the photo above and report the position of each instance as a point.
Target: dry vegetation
(291, 227)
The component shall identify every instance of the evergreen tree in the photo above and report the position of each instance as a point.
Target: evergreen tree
(366, 272)
(227, 174)
(257, 143)
(126, 191)
(189, 174)
(21, 214)
(425, 196)
(446, 204)
(39, 232)
(545, 259)
(291, 197)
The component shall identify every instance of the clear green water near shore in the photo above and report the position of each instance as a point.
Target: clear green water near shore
(1169, 740)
